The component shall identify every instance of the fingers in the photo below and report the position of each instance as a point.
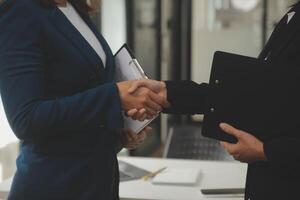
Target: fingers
(159, 100)
(151, 102)
(131, 136)
(140, 115)
(137, 114)
(132, 112)
(133, 140)
(141, 137)
(155, 86)
(148, 129)
(143, 104)
(231, 148)
(137, 84)
(153, 108)
(143, 117)
(231, 130)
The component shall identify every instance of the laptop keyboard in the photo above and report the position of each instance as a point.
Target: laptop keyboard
(187, 143)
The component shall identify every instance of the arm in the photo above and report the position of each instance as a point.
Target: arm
(30, 115)
(282, 150)
(22, 83)
(186, 97)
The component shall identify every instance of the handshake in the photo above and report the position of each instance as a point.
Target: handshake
(143, 99)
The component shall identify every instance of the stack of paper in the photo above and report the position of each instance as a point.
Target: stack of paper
(177, 176)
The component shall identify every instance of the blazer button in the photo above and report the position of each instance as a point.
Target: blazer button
(212, 110)
(217, 81)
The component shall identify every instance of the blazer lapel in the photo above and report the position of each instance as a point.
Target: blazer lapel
(266, 50)
(67, 28)
(285, 34)
(286, 37)
(110, 67)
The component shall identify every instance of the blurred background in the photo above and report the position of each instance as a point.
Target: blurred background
(175, 40)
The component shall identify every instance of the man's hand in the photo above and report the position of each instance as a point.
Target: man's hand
(143, 99)
(131, 140)
(155, 86)
(248, 149)
(158, 87)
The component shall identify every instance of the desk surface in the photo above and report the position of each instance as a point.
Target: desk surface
(211, 171)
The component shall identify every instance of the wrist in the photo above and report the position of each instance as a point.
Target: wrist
(261, 152)
(164, 93)
(123, 94)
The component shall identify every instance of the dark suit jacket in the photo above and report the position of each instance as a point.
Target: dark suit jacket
(60, 102)
(278, 178)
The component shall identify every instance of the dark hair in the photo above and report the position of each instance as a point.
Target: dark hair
(82, 5)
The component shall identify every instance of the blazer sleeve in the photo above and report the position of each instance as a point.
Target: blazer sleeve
(186, 97)
(282, 150)
(22, 76)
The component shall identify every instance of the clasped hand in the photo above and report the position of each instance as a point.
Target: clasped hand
(130, 140)
(143, 99)
(140, 99)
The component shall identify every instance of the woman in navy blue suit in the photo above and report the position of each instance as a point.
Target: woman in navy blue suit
(60, 98)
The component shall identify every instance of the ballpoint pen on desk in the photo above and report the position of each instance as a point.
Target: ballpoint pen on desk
(153, 174)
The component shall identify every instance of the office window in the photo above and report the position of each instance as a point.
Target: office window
(235, 26)
(228, 25)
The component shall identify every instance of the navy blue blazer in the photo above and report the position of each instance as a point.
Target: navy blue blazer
(60, 102)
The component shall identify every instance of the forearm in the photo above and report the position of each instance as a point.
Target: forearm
(31, 117)
(186, 97)
(282, 150)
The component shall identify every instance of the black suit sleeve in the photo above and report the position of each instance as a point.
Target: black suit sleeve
(186, 97)
(282, 150)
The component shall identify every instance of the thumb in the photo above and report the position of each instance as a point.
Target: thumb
(135, 85)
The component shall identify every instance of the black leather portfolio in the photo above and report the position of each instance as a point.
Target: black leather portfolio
(252, 95)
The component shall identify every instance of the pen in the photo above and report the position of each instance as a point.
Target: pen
(153, 174)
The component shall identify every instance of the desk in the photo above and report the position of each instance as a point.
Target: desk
(210, 170)
(142, 190)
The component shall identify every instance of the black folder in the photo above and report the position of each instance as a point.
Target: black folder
(250, 94)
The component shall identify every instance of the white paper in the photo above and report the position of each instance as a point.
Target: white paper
(177, 176)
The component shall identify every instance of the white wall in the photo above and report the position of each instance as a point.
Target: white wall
(6, 134)
(113, 22)
(8, 147)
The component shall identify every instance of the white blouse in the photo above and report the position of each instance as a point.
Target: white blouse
(73, 16)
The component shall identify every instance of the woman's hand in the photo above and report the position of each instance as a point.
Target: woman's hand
(159, 87)
(131, 140)
(248, 149)
(141, 98)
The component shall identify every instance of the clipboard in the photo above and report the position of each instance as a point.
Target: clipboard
(128, 68)
(252, 95)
